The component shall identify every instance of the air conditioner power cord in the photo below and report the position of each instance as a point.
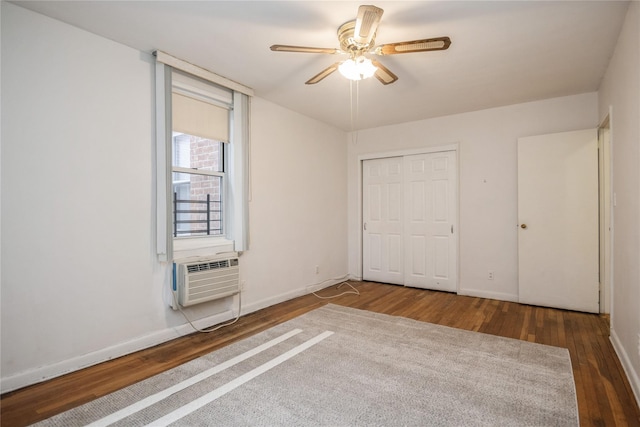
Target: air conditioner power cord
(353, 290)
(213, 328)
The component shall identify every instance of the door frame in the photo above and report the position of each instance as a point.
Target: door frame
(605, 200)
(409, 152)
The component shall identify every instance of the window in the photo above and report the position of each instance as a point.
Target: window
(202, 137)
(198, 186)
(200, 130)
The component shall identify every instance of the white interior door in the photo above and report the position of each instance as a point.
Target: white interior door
(430, 213)
(382, 241)
(558, 220)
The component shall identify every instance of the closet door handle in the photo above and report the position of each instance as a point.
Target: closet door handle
(365, 226)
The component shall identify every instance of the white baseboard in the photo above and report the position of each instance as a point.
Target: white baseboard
(632, 375)
(48, 372)
(267, 302)
(487, 294)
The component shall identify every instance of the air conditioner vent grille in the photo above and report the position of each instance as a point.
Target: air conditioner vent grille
(214, 265)
(206, 279)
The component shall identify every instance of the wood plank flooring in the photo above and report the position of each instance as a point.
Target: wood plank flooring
(604, 395)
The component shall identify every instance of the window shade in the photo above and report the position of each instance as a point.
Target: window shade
(199, 118)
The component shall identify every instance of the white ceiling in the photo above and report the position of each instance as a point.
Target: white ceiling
(502, 52)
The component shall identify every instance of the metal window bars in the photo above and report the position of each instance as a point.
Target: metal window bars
(205, 220)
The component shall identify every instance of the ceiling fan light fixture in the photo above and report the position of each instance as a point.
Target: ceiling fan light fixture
(357, 69)
(357, 39)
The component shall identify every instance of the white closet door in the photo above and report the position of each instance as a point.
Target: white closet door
(430, 217)
(409, 212)
(382, 220)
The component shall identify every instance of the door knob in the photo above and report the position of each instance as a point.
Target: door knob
(523, 226)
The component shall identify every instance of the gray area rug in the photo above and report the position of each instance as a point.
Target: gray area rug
(339, 366)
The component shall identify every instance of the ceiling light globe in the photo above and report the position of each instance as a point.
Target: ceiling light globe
(366, 68)
(349, 70)
(358, 69)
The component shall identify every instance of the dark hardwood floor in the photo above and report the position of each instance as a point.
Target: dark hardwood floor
(604, 394)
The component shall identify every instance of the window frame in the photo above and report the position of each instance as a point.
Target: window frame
(235, 165)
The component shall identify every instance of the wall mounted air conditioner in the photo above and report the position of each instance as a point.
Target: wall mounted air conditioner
(207, 279)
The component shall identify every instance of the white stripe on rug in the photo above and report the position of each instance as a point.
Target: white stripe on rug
(155, 398)
(231, 385)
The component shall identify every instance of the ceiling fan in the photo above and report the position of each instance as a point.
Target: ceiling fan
(357, 38)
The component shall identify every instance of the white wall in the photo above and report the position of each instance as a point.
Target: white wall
(620, 90)
(488, 180)
(80, 281)
(298, 217)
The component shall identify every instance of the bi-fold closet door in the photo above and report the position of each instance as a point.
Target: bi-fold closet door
(409, 216)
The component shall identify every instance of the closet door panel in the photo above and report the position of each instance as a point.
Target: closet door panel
(430, 220)
(382, 215)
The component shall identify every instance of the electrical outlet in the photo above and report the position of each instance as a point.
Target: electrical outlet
(490, 275)
(242, 284)
(317, 269)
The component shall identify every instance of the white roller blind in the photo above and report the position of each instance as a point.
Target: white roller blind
(195, 117)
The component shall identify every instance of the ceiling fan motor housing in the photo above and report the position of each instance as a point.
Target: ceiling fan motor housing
(347, 40)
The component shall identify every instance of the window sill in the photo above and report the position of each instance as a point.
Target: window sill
(200, 246)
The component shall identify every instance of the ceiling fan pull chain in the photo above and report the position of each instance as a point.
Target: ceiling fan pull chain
(351, 103)
(357, 102)
(354, 109)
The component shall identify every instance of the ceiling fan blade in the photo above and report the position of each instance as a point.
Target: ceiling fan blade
(303, 49)
(425, 45)
(367, 23)
(383, 74)
(322, 74)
